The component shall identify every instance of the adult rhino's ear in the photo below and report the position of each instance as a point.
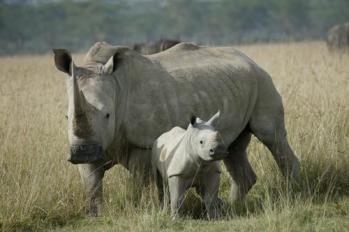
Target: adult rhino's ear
(114, 61)
(213, 121)
(63, 60)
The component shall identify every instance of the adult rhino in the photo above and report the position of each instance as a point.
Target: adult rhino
(338, 38)
(120, 101)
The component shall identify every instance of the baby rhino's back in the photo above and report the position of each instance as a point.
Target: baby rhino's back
(164, 148)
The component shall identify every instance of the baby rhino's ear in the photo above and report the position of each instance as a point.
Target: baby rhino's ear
(193, 120)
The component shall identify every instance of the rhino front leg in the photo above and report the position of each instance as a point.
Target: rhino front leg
(209, 193)
(239, 168)
(92, 178)
(177, 190)
(139, 164)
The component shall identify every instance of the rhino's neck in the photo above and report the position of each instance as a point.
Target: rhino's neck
(122, 90)
(117, 150)
(190, 152)
(137, 79)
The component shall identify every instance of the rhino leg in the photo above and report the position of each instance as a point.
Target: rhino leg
(92, 178)
(160, 187)
(177, 188)
(208, 191)
(139, 164)
(239, 168)
(267, 124)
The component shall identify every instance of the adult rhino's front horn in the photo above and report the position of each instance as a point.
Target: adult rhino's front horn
(83, 148)
(81, 125)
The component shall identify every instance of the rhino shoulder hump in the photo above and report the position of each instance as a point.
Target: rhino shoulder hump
(186, 46)
(95, 48)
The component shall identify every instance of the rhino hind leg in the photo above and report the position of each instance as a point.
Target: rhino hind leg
(92, 178)
(161, 188)
(268, 126)
(239, 168)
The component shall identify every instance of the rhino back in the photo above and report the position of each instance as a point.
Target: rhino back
(191, 80)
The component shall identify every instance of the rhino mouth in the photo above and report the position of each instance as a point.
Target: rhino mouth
(85, 153)
(219, 155)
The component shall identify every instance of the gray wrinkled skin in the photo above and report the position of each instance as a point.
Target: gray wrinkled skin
(154, 47)
(186, 158)
(122, 101)
(338, 38)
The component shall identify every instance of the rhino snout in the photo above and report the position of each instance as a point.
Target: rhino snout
(85, 153)
(219, 152)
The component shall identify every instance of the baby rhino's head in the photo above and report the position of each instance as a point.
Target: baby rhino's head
(205, 140)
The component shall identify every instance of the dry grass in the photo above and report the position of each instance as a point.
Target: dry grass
(39, 190)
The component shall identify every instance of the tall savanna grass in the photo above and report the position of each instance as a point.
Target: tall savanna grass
(40, 190)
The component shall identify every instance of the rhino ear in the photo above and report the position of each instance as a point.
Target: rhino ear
(63, 60)
(199, 120)
(110, 66)
(114, 61)
(193, 120)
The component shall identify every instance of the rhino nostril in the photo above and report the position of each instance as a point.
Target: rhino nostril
(211, 151)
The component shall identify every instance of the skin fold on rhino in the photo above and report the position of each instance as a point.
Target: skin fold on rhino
(120, 101)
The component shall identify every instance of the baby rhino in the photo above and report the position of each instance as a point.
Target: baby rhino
(189, 158)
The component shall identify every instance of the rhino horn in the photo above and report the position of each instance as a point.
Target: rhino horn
(80, 122)
(79, 98)
(213, 119)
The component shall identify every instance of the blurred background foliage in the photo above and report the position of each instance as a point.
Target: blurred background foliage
(36, 26)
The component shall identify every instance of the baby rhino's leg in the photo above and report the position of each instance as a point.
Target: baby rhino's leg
(208, 189)
(177, 190)
(160, 186)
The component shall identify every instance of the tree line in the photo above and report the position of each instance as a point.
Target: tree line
(36, 26)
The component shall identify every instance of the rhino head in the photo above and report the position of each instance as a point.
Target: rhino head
(205, 140)
(91, 107)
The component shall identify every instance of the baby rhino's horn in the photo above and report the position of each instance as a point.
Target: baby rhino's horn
(214, 119)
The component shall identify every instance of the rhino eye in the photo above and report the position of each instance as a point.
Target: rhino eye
(107, 115)
(201, 142)
(66, 116)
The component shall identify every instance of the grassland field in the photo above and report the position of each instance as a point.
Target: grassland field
(41, 191)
